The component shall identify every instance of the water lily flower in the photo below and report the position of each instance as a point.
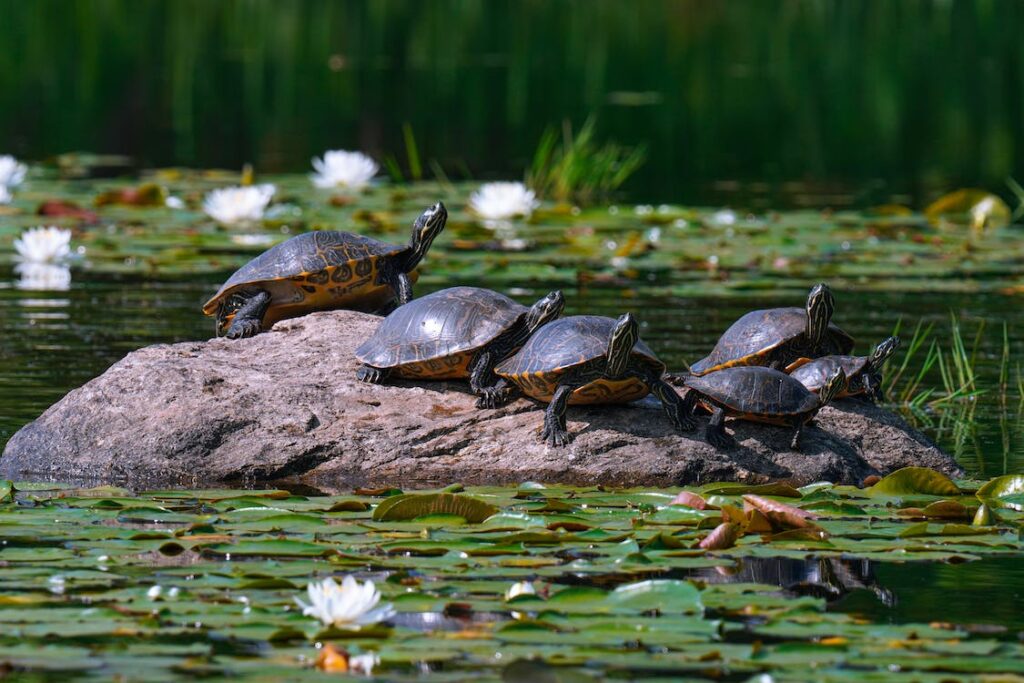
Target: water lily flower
(12, 172)
(154, 591)
(238, 205)
(252, 240)
(520, 588)
(43, 245)
(341, 168)
(57, 584)
(173, 202)
(364, 663)
(501, 201)
(350, 605)
(723, 217)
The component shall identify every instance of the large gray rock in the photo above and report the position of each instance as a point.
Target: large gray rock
(286, 405)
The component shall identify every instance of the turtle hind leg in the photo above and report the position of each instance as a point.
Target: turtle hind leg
(715, 432)
(248, 319)
(675, 408)
(555, 431)
(371, 375)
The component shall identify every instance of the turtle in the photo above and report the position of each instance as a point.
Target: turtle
(863, 373)
(454, 333)
(588, 359)
(778, 337)
(758, 394)
(322, 270)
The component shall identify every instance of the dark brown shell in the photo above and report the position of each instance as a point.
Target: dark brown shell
(305, 254)
(569, 342)
(440, 325)
(816, 374)
(759, 332)
(755, 390)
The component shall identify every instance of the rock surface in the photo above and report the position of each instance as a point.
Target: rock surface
(285, 405)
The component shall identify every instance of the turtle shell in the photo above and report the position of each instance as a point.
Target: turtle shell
(568, 343)
(815, 374)
(436, 336)
(314, 271)
(755, 391)
(750, 340)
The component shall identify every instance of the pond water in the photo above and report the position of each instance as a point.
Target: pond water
(886, 571)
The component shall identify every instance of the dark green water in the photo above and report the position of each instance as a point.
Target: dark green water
(820, 101)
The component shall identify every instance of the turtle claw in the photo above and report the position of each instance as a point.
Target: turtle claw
(719, 439)
(370, 375)
(243, 328)
(685, 424)
(493, 398)
(555, 435)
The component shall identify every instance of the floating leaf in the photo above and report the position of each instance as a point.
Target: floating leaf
(976, 208)
(916, 480)
(690, 500)
(996, 492)
(779, 514)
(412, 505)
(724, 536)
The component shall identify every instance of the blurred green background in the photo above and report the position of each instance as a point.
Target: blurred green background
(797, 102)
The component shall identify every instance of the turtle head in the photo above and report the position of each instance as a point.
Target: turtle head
(883, 351)
(833, 387)
(624, 337)
(820, 307)
(545, 310)
(873, 372)
(428, 226)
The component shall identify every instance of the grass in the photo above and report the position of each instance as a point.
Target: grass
(575, 168)
(955, 367)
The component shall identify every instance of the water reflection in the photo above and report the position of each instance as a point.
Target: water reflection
(828, 578)
(42, 277)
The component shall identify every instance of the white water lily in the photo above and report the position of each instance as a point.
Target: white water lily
(364, 663)
(250, 240)
(341, 168)
(238, 205)
(44, 245)
(12, 172)
(501, 201)
(520, 588)
(350, 605)
(173, 202)
(723, 217)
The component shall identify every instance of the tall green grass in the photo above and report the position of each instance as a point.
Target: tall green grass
(939, 367)
(568, 167)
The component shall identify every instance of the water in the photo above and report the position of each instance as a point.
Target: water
(52, 342)
(853, 101)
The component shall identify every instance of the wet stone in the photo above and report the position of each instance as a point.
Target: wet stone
(285, 405)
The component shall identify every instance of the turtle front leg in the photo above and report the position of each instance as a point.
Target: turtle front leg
(248, 319)
(715, 432)
(481, 372)
(403, 288)
(555, 431)
(372, 375)
(675, 408)
(502, 393)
